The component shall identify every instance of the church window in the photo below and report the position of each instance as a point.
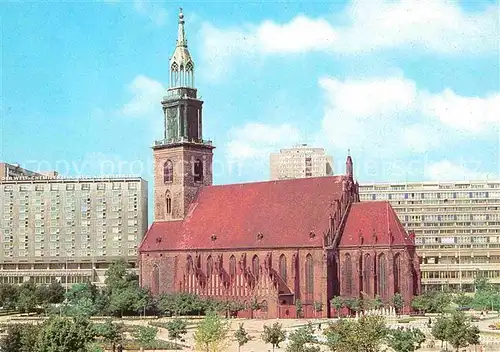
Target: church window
(283, 267)
(348, 275)
(210, 266)
(255, 265)
(198, 171)
(168, 203)
(367, 267)
(168, 171)
(382, 276)
(397, 273)
(232, 266)
(189, 264)
(309, 274)
(155, 285)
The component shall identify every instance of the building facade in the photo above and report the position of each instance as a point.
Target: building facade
(457, 227)
(300, 161)
(11, 171)
(276, 242)
(69, 230)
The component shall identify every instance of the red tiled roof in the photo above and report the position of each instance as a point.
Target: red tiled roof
(284, 212)
(368, 218)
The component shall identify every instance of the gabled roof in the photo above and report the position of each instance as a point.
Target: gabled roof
(285, 213)
(367, 219)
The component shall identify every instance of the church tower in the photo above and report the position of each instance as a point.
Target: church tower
(182, 159)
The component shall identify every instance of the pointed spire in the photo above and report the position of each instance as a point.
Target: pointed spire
(348, 165)
(181, 35)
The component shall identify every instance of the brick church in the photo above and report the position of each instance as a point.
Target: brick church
(275, 242)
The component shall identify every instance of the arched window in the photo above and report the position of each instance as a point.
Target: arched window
(168, 171)
(255, 265)
(198, 171)
(382, 277)
(232, 266)
(283, 267)
(348, 274)
(397, 273)
(367, 268)
(168, 203)
(155, 284)
(210, 266)
(309, 274)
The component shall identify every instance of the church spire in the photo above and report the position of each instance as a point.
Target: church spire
(181, 35)
(181, 63)
(348, 166)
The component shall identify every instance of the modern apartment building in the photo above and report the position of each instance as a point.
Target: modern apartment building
(11, 171)
(457, 227)
(299, 162)
(69, 230)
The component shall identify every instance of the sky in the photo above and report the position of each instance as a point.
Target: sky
(411, 88)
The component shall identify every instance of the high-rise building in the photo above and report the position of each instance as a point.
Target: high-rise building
(10, 171)
(299, 162)
(457, 228)
(69, 230)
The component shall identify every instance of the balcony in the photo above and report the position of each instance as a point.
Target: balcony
(178, 140)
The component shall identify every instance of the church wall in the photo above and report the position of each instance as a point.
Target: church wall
(367, 278)
(175, 277)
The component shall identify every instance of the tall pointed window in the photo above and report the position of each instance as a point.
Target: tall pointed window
(309, 274)
(348, 275)
(382, 277)
(255, 265)
(397, 273)
(168, 203)
(232, 266)
(168, 171)
(283, 267)
(210, 266)
(198, 171)
(189, 264)
(367, 268)
(155, 284)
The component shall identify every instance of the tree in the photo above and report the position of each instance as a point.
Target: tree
(462, 300)
(299, 308)
(338, 303)
(405, 340)
(459, 332)
(8, 295)
(432, 302)
(398, 302)
(274, 334)
(301, 339)
(60, 334)
(176, 328)
(145, 335)
(439, 329)
(241, 335)
(318, 307)
(212, 334)
(26, 298)
(110, 332)
(365, 335)
(11, 342)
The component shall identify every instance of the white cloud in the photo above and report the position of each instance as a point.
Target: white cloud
(368, 25)
(472, 114)
(146, 97)
(256, 140)
(391, 115)
(446, 170)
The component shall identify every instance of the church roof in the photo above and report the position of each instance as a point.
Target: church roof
(285, 213)
(368, 221)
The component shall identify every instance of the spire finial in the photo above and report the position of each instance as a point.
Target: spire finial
(181, 36)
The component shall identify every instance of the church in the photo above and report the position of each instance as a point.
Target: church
(272, 242)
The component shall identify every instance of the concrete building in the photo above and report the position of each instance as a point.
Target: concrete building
(69, 230)
(11, 171)
(299, 162)
(457, 228)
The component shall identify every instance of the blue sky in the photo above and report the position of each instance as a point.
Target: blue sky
(411, 87)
